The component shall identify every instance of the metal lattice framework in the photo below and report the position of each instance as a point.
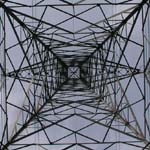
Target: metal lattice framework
(74, 74)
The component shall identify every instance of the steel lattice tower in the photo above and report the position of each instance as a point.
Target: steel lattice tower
(74, 75)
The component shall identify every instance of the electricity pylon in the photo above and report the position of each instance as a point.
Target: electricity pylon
(74, 74)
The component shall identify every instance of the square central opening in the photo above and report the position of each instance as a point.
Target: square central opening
(73, 72)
